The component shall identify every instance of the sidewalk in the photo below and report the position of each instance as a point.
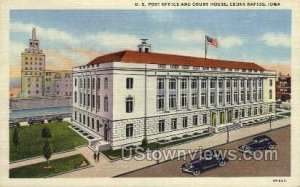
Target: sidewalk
(106, 168)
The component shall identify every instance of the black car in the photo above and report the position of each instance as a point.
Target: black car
(261, 142)
(35, 121)
(55, 118)
(13, 122)
(204, 162)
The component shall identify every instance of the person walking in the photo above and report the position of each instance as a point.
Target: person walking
(95, 156)
(98, 155)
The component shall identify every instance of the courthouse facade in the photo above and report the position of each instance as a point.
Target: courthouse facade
(128, 95)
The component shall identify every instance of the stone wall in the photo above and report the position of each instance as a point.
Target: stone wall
(33, 103)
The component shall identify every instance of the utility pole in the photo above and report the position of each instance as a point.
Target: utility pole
(270, 118)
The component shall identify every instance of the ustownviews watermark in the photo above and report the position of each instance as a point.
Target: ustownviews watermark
(140, 154)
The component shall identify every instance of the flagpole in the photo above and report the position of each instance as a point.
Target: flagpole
(205, 47)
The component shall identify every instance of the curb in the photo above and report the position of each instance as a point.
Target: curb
(288, 125)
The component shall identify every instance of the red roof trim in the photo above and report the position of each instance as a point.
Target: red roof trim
(170, 59)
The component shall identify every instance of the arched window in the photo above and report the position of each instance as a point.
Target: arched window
(106, 104)
(129, 104)
(236, 114)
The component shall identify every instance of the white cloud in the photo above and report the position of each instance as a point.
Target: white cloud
(161, 16)
(276, 39)
(188, 35)
(48, 34)
(113, 40)
(230, 41)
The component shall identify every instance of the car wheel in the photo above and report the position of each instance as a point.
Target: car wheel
(271, 146)
(222, 163)
(196, 172)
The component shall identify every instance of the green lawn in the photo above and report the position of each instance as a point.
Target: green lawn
(31, 142)
(57, 166)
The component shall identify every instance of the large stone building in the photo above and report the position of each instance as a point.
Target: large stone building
(125, 96)
(36, 81)
(283, 87)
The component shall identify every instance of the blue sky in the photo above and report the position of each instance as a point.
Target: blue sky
(73, 37)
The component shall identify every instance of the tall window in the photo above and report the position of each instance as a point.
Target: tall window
(249, 112)
(172, 102)
(88, 83)
(261, 110)
(255, 111)
(105, 104)
(160, 102)
(172, 84)
(235, 97)
(204, 119)
(248, 95)
(203, 83)
(75, 97)
(235, 83)
(270, 94)
(194, 100)
(270, 108)
(183, 101)
(236, 114)
(194, 83)
(93, 101)
(228, 97)
(212, 98)
(105, 83)
(88, 121)
(93, 83)
(129, 130)
(228, 83)
(129, 83)
(93, 123)
(242, 83)
(184, 122)
(89, 100)
(221, 83)
(212, 83)
(129, 104)
(243, 96)
(248, 83)
(195, 120)
(98, 102)
(160, 84)
(203, 99)
(161, 125)
(183, 84)
(75, 82)
(174, 124)
(220, 97)
(80, 83)
(98, 83)
(271, 82)
(80, 98)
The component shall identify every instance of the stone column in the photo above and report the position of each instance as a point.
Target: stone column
(189, 94)
(251, 90)
(178, 93)
(239, 91)
(199, 92)
(217, 92)
(167, 94)
(225, 90)
(245, 90)
(256, 90)
(232, 91)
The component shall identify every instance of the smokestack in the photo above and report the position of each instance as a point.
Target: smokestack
(33, 34)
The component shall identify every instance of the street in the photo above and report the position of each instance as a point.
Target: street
(236, 168)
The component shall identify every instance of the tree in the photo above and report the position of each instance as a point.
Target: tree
(16, 138)
(145, 143)
(46, 133)
(47, 152)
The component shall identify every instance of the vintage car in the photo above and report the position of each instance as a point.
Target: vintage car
(13, 122)
(204, 162)
(261, 142)
(35, 120)
(55, 118)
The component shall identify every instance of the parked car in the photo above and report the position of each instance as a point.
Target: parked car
(35, 120)
(55, 118)
(13, 122)
(261, 142)
(204, 162)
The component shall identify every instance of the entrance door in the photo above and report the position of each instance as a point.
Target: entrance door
(213, 119)
(221, 117)
(229, 116)
(105, 132)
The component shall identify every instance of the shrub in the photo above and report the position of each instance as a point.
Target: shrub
(144, 143)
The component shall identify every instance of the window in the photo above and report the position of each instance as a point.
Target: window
(249, 112)
(235, 83)
(271, 82)
(270, 108)
(83, 117)
(98, 102)
(105, 83)
(161, 125)
(84, 83)
(93, 83)
(212, 98)
(80, 118)
(248, 83)
(235, 97)
(261, 110)
(212, 83)
(80, 83)
(174, 66)
(259, 94)
(93, 123)
(236, 114)
(129, 104)
(88, 83)
(195, 120)
(270, 94)
(160, 102)
(228, 83)
(228, 97)
(98, 83)
(203, 99)
(203, 83)
(163, 66)
(220, 97)
(194, 83)
(248, 95)
(129, 83)
(174, 124)
(204, 119)
(172, 102)
(75, 82)
(160, 84)
(88, 100)
(80, 98)
(185, 67)
(243, 96)
(172, 84)
(93, 101)
(105, 104)
(183, 101)
(129, 130)
(242, 83)
(75, 115)
(183, 84)
(194, 100)
(184, 122)
(221, 83)
(75, 97)
(255, 111)
(243, 113)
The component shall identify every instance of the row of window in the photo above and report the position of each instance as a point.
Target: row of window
(90, 122)
(213, 82)
(26, 58)
(96, 83)
(94, 101)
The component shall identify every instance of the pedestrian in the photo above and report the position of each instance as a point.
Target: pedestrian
(98, 156)
(95, 156)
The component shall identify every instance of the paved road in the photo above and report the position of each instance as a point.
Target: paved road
(237, 168)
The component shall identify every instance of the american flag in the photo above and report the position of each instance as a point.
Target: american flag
(211, 41)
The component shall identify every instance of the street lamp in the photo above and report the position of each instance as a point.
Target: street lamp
(270, 119)
(227, 130)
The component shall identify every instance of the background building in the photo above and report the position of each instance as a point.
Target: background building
(129, 95)
(283, 87)
(36, 81)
